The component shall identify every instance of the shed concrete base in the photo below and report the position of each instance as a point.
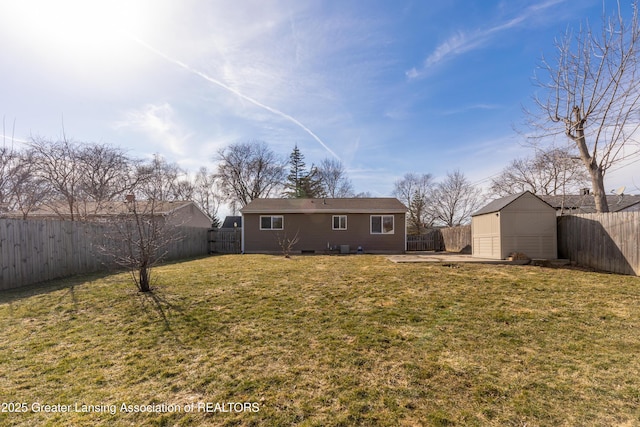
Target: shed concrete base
(449, 257)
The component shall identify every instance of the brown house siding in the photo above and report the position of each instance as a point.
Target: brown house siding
(315, 233)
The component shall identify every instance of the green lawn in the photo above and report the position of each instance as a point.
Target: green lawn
(319, 341)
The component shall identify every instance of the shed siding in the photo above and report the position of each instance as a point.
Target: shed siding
(315, 233)
(529, 226)
(526, 225)
(486, 236)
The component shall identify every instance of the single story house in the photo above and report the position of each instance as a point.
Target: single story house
(177, 213)
(520, 223)
(368, 225)
(568, 204)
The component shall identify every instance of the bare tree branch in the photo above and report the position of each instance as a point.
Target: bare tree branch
(592, 95)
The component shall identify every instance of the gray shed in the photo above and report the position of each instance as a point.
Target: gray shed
(521, 223)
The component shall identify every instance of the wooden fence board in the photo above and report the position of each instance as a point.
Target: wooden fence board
(33, 251)
(605, 241)
(452, 239)
(226, 241)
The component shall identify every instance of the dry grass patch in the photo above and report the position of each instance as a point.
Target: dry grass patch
(321, 341)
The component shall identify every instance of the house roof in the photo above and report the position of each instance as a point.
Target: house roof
(230, 220)
(587, 204)
(111, 208)
(327, 205)
(503, 202)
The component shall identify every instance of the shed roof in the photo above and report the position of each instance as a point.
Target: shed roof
(503, 202)
(327, 205)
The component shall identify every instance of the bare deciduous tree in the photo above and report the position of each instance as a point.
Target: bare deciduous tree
(249, 170)
(28, 189)
(334, 180)
(455, 199)
(414, 191)
(207, 195)
(550, 172)
(105, 175)
(138, 239)
(287, 243)
(7, 166)
(161, 180)
(591, 93)
(57, 165)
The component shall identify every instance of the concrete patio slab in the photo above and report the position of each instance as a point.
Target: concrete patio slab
(448, 257)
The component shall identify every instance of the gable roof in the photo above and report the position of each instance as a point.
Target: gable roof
(326, 205)
(503, 202)
(586, 203)
(93, 209)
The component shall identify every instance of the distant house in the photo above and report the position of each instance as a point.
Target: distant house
(373, 225)
(231, 222)
(521, 223)
(179, 213)
(578, 204)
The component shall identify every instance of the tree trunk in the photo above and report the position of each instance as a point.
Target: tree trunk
(595, 171)
(144, 279)
(599, 193)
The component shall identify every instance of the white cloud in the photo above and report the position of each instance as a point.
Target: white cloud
(465, 41)
(158, 123)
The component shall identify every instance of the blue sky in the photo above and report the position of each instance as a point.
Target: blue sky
(388, 87)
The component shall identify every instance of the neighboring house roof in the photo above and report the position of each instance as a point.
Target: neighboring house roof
(326, 205)
(587, 204)
(94, 209)
(503, 202)
(232, 222)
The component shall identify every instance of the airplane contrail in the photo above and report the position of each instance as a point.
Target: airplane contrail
(234, 91)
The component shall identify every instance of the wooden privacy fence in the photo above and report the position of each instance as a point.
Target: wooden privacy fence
(225, 241)
(34, 251)
(457, 239)
(452, 239)
(605, 241)
(431, 241)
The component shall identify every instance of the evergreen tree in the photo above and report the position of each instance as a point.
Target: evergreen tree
(301, 184)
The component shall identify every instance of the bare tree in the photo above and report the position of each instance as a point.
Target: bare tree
(414, 191)
(7, 166)
(105, 173)
(81, 177)
(334, 180)
(249, 170)
(28, 189)
(287, 243)
(550, 172)
(161, 180)
(207, 195)
(455, 199)
(57, 165)
(138, 239)
(592, 94)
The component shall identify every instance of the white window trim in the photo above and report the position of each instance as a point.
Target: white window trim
(333, 222)
(393, 224)
(272, 216)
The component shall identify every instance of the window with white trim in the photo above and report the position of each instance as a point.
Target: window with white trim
(339, 222)
(381, 224)
(271, 222)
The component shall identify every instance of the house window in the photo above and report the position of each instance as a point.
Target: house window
(274, 222)
(381, 224)
(339, 222)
